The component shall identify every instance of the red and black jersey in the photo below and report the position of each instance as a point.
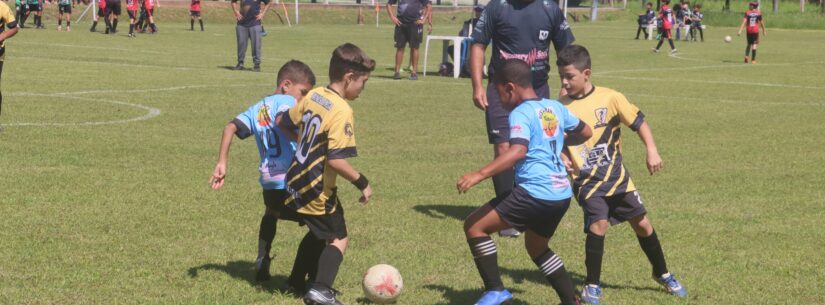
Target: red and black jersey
(752, 20)
(195, 6)
(131, 5)
(666, 13)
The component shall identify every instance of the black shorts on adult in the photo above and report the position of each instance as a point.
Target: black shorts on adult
(329, 226)
(274, 200)
(194, 13)
(408, 33)
(113, 6)
(64, 9)
(753, 38)
(615, 209)
(524, 212)
(498, 118)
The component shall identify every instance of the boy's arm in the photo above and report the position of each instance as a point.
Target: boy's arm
(742, 26)
(504, 161)
(234, 6)
(345, 170)
(429, 18)
(762, 23)
(654, 161)
(219, 174)
(290, 132)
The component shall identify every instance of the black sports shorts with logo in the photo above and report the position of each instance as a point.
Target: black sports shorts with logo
(615, 209)
(524, 212)
(408, 33)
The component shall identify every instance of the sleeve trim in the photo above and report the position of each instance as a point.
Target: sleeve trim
(578, 128)
(342, 153)
(520, 141)
(286, 121)
(640, 118)
(243, 131)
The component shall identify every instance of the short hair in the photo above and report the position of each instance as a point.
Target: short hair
(575, 55)
(513, 71)
(297, 72)
(349, 58)
(666, 1)
(698, 6)
(650, 3)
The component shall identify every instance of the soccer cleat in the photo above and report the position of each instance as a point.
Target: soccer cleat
(671, 284)
(747, 59)
(591, 293)
(59, 28)
(318, 295)
(510, 232)
(754, 62)
(262, 269)
(131, 35)
(414, 76)
(68, 28)
(238, 67)
(654, 50)
(256, 68)
(673, 52)
(396, 76)
(493, 297)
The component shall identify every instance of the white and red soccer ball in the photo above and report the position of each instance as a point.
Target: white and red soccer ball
(382, 284)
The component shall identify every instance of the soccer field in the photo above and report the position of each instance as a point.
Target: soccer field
(107, 144)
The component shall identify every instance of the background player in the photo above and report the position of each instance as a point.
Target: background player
(325, 122)
(195, 12)
(645, 19)
(101, 12)
(150, 5)
(516, 29)
(8, 28)
(21, 8)
(131, 10)
(666, 21)
(753, 21)
(542, 193)
(64, 9)
(35, 7)
(696, 23)
(601, 183)
(294, 80)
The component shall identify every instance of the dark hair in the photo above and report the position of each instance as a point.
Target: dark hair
(349, 58)
(513, 71)
(698, 6)
(666, 1)
(297, 72)
(650, 3)
(575, 55)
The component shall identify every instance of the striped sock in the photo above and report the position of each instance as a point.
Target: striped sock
(486, 259)
(553, 269)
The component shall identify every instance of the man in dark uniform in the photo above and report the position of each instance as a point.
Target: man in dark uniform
(249, 17)
(409, 28)
(113, 11)
(521, 29)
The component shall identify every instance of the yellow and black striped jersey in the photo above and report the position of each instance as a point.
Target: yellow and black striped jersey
(6, 21)
(325, 131)
(599, 160)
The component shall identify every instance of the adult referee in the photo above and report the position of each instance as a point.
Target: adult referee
(521, 29)
(249, 18)
(6, 21)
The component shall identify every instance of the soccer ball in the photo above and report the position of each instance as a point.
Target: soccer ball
(727, 39)
(382, 284)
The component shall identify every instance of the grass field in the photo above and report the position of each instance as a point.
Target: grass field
(107, 144)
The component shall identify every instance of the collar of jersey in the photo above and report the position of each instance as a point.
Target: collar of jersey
(586, 95)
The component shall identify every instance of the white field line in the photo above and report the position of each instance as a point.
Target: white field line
(731, 65)
(658, 79)
(88, 47)
(151, 112)
(728, 101)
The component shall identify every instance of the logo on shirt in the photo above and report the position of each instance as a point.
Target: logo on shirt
(601, 118)
(549, 122)
(543, 35)
(348, 130)
(264, 120)
(529, 58)
(595, 157)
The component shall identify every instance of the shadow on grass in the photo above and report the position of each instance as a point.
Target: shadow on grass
(467, 296)
(533, 275)
(442, 211)
(245, 271)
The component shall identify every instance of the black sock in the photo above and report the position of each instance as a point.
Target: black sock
(266, 234)
(94, 25)
(108, 23)
(653, 249)
(114, 25)
(191, 24)
(638, 31)
(306, 261)
(553, 269)
(670, 41)
(594, 251)
(753, 54)
(68, 23)
(154, 28)
(659, 45)
(131, 28)
(59, 22)
(36, 20)
(747, 49)
(503, 182)
(201, 22)
(328, 264)
(486, 259)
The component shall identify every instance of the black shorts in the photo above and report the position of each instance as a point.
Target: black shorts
(274, 200)
(615, 209)
(329, 226)
(408, 33)
(101, 12)
(113, 6)
(665, 34)
(33, 7)
(64, 9)
(753, 38)
(132, 14)
(524, 212)
(21, 9)
(194, 13)
(498, 118)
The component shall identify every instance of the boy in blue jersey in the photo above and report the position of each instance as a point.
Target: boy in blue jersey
(601, 182)
(276, 149)
(542, 193)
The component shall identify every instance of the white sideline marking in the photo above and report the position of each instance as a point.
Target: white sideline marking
(726, 100)
(714, 82)
(88, 47)
(151, 112)
(730, 65)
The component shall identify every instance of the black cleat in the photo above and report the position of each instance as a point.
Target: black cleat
(238, 67)
(262, 269)
(318, 295)
(256, 68)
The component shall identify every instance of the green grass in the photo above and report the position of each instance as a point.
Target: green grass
(122, 214)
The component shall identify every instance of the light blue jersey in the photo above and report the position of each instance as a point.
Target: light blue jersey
(540, 125)
(275, 148)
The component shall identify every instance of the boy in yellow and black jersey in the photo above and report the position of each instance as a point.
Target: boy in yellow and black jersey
(601, 183)
(8, 28)
(325, 139)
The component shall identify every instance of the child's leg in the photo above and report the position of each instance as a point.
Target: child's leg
(191, 23)
(551, 266)
(670, 41)
(650, 244)
(753, 52)
(330, 260)
(200, 21)
(638, 31)
(59, 20)
(306, 262)
(477, 228)
(68, 21)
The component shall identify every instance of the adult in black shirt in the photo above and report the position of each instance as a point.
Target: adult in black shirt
(249, 17)
(409, 28)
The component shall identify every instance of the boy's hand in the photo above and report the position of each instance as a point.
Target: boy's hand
(568, 165)
(429, 28)
(366, 193)
(654, 162)
(467, 181)
(480, 98)
(218, 176)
